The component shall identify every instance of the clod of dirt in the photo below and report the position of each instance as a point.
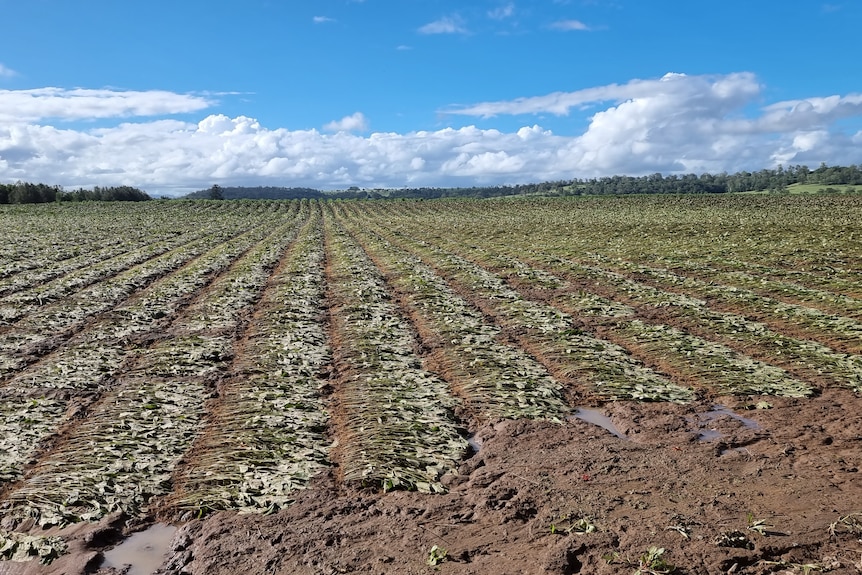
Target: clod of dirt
(562, 558)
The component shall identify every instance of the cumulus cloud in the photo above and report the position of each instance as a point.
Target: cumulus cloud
(729, 89)
(81, 104)
(568, 25)
(356, 122)
(446, 25)
(6, 72)
(673, 124)
(809, 113)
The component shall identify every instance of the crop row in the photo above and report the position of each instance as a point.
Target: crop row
(833, 296)
(813, 241)
(807, 359)
(227, 363)
(687, 354)
(831, 329)
(146, 312)
(24, 302)
(717, 367)
(602, 367)
(393, 418)
(123, 453)
(62, 238)
(46, 327)
(266, 438)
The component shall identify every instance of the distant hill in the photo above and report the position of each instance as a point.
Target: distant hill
(283, 193)
(780, 180)
(258, 193)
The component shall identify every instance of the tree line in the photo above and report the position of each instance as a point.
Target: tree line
(775, 180)
(29, 193)
(217, 192)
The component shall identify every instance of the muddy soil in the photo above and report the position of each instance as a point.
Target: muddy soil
(729, 490)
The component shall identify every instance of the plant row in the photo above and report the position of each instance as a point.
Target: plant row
(719, 368)
(40, 243)
(599, 366)
(123, 453)
(267, 437)
(41, 330)
(393, 419)
(822, 326)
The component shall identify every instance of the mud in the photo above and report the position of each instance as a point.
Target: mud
(775, 482)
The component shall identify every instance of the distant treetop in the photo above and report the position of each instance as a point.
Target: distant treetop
(27, 193)
(775, 180)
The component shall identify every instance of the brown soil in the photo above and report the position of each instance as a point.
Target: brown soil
(512, 505)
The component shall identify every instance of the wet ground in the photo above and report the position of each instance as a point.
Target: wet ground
(725, 486)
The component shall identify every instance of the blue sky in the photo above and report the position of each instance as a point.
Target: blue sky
(173, 96)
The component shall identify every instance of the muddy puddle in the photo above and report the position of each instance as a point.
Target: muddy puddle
(596, 417)
(144, 551)
(703, 421)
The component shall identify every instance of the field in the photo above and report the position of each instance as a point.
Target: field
(823, 188)
(592, 385)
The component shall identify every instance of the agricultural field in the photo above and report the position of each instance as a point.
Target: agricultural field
(641, 384)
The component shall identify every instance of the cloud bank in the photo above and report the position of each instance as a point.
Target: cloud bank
(673, 124)
(80, 104)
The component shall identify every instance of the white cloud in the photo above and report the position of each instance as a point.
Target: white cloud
(810, 113)
(568, 25)
(447, 25)
(356, 122)
(674, 124)
(502, 12)
(79, 104)
(7, 72)
(731, 88)
(322, 19)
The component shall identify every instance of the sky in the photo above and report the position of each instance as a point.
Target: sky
(173, 96)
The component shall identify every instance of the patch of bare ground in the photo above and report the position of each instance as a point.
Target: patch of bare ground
(770, 481)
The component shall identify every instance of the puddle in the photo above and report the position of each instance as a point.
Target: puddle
(709, 435)
(596, 417)
(719, 410)
(715, 412)
(145, 551)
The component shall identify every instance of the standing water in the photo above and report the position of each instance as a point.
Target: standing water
(704, 419)
(145, 551)
(596, 417)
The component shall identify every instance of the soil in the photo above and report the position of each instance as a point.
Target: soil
(731, 490)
